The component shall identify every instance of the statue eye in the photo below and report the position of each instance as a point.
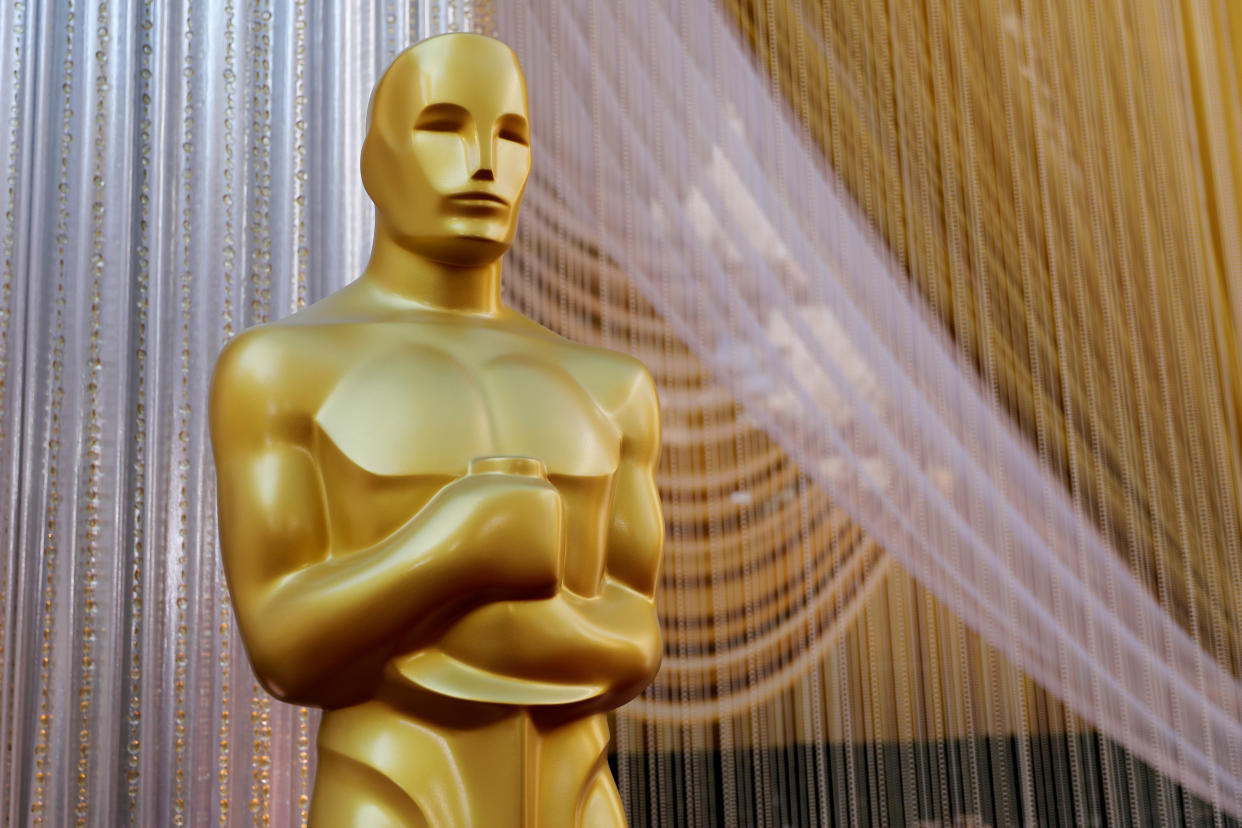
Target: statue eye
(514, 136)
(442, 118)
(438, 125)
(511, 127)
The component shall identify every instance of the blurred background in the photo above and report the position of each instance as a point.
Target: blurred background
(942, 299)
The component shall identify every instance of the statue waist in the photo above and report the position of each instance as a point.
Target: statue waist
(482, 769)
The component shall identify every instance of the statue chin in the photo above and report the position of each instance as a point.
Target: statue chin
(461, 251)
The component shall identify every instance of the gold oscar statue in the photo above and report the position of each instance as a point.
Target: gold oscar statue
(439, 520)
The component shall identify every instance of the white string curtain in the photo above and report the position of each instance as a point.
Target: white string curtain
(656, 133)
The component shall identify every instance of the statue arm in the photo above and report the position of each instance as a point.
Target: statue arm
(635, 549)
(610, 640)
(318, 622)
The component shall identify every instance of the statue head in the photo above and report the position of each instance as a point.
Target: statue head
(447, 151)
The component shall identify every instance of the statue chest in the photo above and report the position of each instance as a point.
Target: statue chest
(419, 410)
(397, 427)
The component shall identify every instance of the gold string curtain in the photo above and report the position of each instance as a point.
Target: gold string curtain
(789, 632)
(1061, 181)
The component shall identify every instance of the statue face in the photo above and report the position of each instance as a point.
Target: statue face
(448, 151)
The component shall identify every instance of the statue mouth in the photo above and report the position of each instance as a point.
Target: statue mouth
(478, 198)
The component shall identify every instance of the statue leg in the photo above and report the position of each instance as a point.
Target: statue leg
(349, 794)
(380, 766)
(575, 784)
(602, 805)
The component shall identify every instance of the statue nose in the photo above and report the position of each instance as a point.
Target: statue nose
(484, 170)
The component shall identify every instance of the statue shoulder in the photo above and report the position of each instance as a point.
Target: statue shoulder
(640, 412)
(612, 377)
(266, 380)
(623, 387)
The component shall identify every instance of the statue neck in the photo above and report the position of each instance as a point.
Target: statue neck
(407, 277)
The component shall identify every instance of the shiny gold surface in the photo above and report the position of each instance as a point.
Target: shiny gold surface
(439, 520)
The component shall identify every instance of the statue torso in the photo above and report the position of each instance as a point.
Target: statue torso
(405, 407)
(397, 411)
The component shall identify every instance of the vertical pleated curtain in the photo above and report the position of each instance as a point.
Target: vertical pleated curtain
(941, 299)
(174, 173)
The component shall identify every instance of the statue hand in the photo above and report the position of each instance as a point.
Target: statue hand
(512, 531)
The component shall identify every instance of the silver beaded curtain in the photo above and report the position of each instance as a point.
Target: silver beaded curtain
(174, 172)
